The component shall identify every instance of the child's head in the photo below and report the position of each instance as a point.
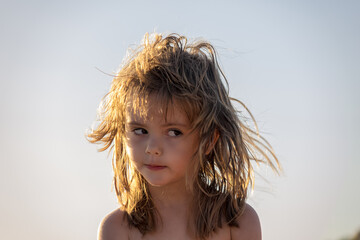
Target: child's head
(169, 80)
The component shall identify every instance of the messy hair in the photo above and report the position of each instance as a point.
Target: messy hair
(174, 69)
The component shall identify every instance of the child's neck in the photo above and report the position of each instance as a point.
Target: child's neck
(173, 205)
(171, 196)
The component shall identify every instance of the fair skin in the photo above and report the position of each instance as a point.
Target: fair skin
(161, 149)
(114, 227)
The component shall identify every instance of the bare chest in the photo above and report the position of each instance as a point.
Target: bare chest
(179, 234)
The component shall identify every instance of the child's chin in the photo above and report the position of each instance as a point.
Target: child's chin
(157, 182)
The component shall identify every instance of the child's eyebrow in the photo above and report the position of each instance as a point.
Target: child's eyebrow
(134, 123)
(168, 124)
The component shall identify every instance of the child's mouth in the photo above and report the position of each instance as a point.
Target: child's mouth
(155, 167)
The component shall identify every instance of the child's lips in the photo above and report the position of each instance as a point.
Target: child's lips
(155, 167)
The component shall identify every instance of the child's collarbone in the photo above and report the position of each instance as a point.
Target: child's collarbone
(179, 234)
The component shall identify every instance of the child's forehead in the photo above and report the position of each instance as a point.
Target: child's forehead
(153, 108)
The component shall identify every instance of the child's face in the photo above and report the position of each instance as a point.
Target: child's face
(161, 149)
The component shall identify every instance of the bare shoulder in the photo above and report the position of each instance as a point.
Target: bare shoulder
(249, 225)
(113, 226)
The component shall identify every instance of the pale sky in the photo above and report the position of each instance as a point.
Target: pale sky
(296, 64)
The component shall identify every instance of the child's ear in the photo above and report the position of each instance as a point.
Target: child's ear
(213, 141)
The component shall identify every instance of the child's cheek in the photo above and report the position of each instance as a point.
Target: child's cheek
(133, 148)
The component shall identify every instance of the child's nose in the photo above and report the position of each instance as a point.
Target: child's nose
(154, 146)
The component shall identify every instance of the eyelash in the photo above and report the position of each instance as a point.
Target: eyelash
(177, 132)
(144, 131)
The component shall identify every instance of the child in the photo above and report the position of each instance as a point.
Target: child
(181, 155)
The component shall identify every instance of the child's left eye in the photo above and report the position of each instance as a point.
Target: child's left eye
(175, 133)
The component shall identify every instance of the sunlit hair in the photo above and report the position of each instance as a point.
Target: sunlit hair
(174, 70)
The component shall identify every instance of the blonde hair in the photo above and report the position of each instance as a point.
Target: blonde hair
(175, 70)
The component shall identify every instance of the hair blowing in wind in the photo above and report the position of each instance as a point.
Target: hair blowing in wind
(174, 70)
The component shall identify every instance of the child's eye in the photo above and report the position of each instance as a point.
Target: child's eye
(174, 133)
(140, 131)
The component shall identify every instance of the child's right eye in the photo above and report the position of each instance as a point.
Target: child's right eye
(140, 131)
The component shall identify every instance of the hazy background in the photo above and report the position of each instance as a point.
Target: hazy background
(296, 64)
